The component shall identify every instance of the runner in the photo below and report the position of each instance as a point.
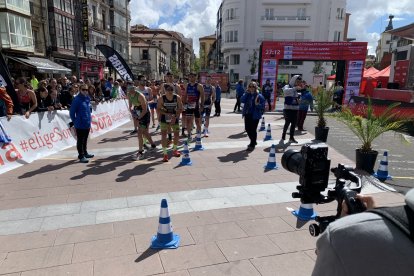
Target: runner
(209, 99)
(153, 102)
(169, 80)
(194, 100)
(170, 107)
(139, 109)
(146, 91)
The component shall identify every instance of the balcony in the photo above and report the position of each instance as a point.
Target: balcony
(118, 31)
(288, 21)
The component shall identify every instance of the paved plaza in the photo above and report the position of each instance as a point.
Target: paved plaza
(61, 217)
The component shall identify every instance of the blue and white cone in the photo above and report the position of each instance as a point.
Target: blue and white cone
(198, 144)
(268, 134)
(165, 237)
(305, 212)
(382, 172)
(186, 161)
(271, 162)
(262, 126)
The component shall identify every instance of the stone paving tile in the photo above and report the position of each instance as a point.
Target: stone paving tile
(148, 263)
(193, 219)
(84, 234)
(15, 214)
(66, 221)
(147, 226)
(100, 205)
(236, 214)
(173, 208)
(237, 268)
(299, 224)
(211, 203)
(311, 253)
(294, 241)
(24, 194)
(245, 248)
(120, 214)
(275, 209)
(143, 241)
(256, 227)
(189, 195)
(26, 241)
(216, 232)
(20, 226)
(262, 189)
(31, 202)
(100, 249)
(12, 274)
(55, 210)
(134, 201)
(177, 273)
(37, 258)
(191, 256)
(247, 200)
(84, 269)
(293, 264)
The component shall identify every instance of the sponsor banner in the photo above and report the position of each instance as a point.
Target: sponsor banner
(401, 72)
(353, 79)
(117, 62)
(269, 72)
(358, 106)
(85, 20)
(46, 133)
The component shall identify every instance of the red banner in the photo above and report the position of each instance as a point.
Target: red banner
(401, 72)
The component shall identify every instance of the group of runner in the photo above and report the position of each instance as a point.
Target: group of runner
(166, 104)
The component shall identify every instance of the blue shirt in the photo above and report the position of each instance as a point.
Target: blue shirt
(218, 93)
(250, 106)
(239, 90)
(306, 99)
(80, 112)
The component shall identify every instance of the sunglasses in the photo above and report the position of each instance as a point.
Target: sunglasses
(252, 86)
(84, 90)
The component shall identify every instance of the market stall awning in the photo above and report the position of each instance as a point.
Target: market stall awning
(43, 65)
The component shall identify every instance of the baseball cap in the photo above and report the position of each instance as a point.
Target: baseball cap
(294, 79)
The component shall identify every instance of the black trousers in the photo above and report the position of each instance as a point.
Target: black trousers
(250, 125)
(81, 144)
(269, 102)
(291, 117)
(301, 118)
(238, 104)
(217, 107)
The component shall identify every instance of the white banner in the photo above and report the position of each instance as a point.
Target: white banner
(46, 133)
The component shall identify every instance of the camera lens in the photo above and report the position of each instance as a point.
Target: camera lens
(291, 160)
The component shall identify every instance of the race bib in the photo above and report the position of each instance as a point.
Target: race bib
(168, 118)
(206, 106)
(191, 105)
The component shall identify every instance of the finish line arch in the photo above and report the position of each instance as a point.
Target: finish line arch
(352, 53)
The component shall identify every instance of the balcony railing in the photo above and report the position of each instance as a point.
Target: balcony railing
(285, 18)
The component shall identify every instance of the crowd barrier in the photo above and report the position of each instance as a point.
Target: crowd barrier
(46, 133)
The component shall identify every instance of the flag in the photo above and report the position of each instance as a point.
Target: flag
(117, 62)
(5, 80)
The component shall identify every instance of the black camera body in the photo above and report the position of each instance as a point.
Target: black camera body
(313, 167)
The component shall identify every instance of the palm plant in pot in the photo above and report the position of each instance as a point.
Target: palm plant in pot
(323, 103)
(367, 128)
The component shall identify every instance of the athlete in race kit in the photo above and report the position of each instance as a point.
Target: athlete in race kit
(153, 102)
(194, 100)
(170, 107)
(169, 80)
(140, 113)
(209, 99)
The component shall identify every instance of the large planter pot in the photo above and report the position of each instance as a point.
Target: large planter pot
(366, 160)
(321, 133)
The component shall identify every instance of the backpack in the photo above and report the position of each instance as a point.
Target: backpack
(400, 216)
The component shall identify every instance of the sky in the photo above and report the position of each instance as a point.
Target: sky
(195, 18)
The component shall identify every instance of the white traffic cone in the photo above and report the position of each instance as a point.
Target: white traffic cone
(198, 144)
(268, 134)
(271, 162)
(186, 161)
(305, 212)
(382, 172)
(262, 126)
(165, 237)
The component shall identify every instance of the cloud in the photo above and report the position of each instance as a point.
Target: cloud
(185, 16)
(365, 13)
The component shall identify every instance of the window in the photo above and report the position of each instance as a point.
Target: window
(339, 13)
(104, 20)
(94, 14)
(145, 55)
(301, 13)
(231, 36)
(64, 32)
(20, 4)
(337, 36)
(20, 31)
(269, 14)
(234, 59)
(231, 14)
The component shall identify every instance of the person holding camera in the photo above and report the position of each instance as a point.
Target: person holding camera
(291, 106)
(369, 243)
(253, 109)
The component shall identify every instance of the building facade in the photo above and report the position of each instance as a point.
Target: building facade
(242, 25)
(157, 51)
(206, 45)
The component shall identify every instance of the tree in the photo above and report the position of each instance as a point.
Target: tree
(173, 67)
(318, 68)
(195, 66)
(253, 62)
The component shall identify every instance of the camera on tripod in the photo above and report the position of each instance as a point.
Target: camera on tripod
(313, 167)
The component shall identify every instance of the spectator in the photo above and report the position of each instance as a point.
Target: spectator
(306, 101)
(291, 106)
(27, 98)
(108, 88)
(43, 100)
(34, 82)
(338, 96)
(53, 85)
(368, 243)
(6, 104)
(217, 105)
(54, 100)
(239, 92)
(66, 100)
(116, 92)
(253, 109)
(267, 92)
(80, 113)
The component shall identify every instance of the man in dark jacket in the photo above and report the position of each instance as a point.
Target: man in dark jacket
(80, 113)
(254, 104)
(267, 91)
(239, 92)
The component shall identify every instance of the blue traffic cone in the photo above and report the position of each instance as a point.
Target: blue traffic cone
(382, 172)
(186, 161)
(305, 212)
(165, 237)
(271, 162)
(268, 134)
(262, 126)
(198, 145)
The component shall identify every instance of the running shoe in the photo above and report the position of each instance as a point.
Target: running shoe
(176, 153)
(165, 158)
